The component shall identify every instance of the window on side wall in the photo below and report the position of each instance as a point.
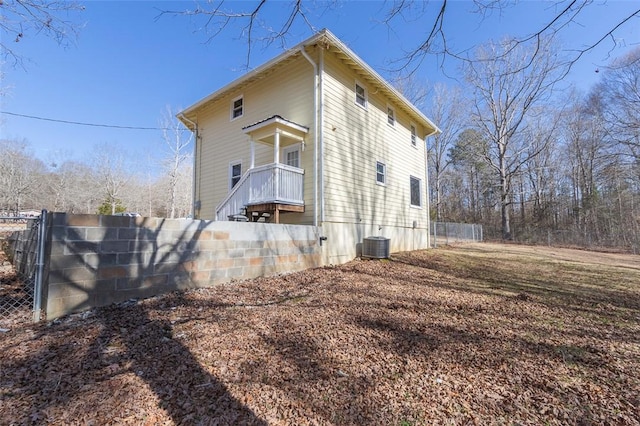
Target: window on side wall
(391, 116)
(414, 136)
(235, 173)
(361, 95)
(416, 195)
(381, 173)
(237, 107)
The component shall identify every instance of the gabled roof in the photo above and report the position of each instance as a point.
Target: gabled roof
(265, 130)
(331, 42)
(275, 119)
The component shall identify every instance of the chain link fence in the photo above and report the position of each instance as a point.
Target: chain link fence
(627, 241)
(19, 248)
(448, 232)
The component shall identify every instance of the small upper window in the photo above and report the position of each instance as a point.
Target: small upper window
(391, 116)
(361, 95)
(414, 136)
(381, 173)
(416, 198)
(237, 107)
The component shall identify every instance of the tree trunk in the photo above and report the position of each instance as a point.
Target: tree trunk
(504, 207)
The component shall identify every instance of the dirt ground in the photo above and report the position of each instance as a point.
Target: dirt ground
(468, 334)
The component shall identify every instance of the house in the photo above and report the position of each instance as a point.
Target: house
(315, 137)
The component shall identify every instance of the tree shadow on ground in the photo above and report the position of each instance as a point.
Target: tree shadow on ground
(579, 288)
(185, 390)
(600, 310)
(430, 339)
(125, 348)
(128, 345)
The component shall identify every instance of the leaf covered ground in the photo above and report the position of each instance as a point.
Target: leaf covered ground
(473, 334)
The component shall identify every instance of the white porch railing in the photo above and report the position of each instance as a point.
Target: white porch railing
(271, 183)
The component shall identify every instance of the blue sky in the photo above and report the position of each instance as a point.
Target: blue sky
(128, 65)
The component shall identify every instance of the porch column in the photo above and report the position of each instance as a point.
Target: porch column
(252, 147)
(276, 147)
(276, 177)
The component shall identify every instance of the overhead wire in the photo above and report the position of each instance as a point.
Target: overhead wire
(79, 123)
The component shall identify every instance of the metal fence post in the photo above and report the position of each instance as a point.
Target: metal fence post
(435, 234)
(446, 234)
(40, 262)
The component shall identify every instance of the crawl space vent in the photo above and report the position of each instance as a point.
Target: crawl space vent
(375, 247)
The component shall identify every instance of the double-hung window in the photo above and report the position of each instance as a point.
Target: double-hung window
(391, 116)
(361, 95)
(237, 107)
(416, 195)
(414, 136)
(381, 173)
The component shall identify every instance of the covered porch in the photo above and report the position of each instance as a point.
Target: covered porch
(266, 191)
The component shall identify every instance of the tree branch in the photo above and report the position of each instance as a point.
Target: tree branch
(20, 18)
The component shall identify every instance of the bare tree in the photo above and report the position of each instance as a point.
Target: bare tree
(185, 195)
(416, 91)
(177, 140)
(605, 189)
(111, 173)
(71, 188)
(620, 89)
(449, 110)
(146, 195)
(587, 151)
(561, 15)
(541, 172)
(247, 18)
(20, 173)
(474, 181)
(509, 83)
(20, 19)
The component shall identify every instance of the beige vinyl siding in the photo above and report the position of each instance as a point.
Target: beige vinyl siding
(286, 91)
(354, 140)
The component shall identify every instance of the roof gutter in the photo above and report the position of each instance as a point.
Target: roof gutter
(436, 131)
(316, 137)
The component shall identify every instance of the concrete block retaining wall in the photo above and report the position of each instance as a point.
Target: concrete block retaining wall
(99, 260)
(21, 247)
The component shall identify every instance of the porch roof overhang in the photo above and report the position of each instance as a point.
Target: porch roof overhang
(265, 130)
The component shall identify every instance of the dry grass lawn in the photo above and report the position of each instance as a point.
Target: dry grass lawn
(471, 334)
